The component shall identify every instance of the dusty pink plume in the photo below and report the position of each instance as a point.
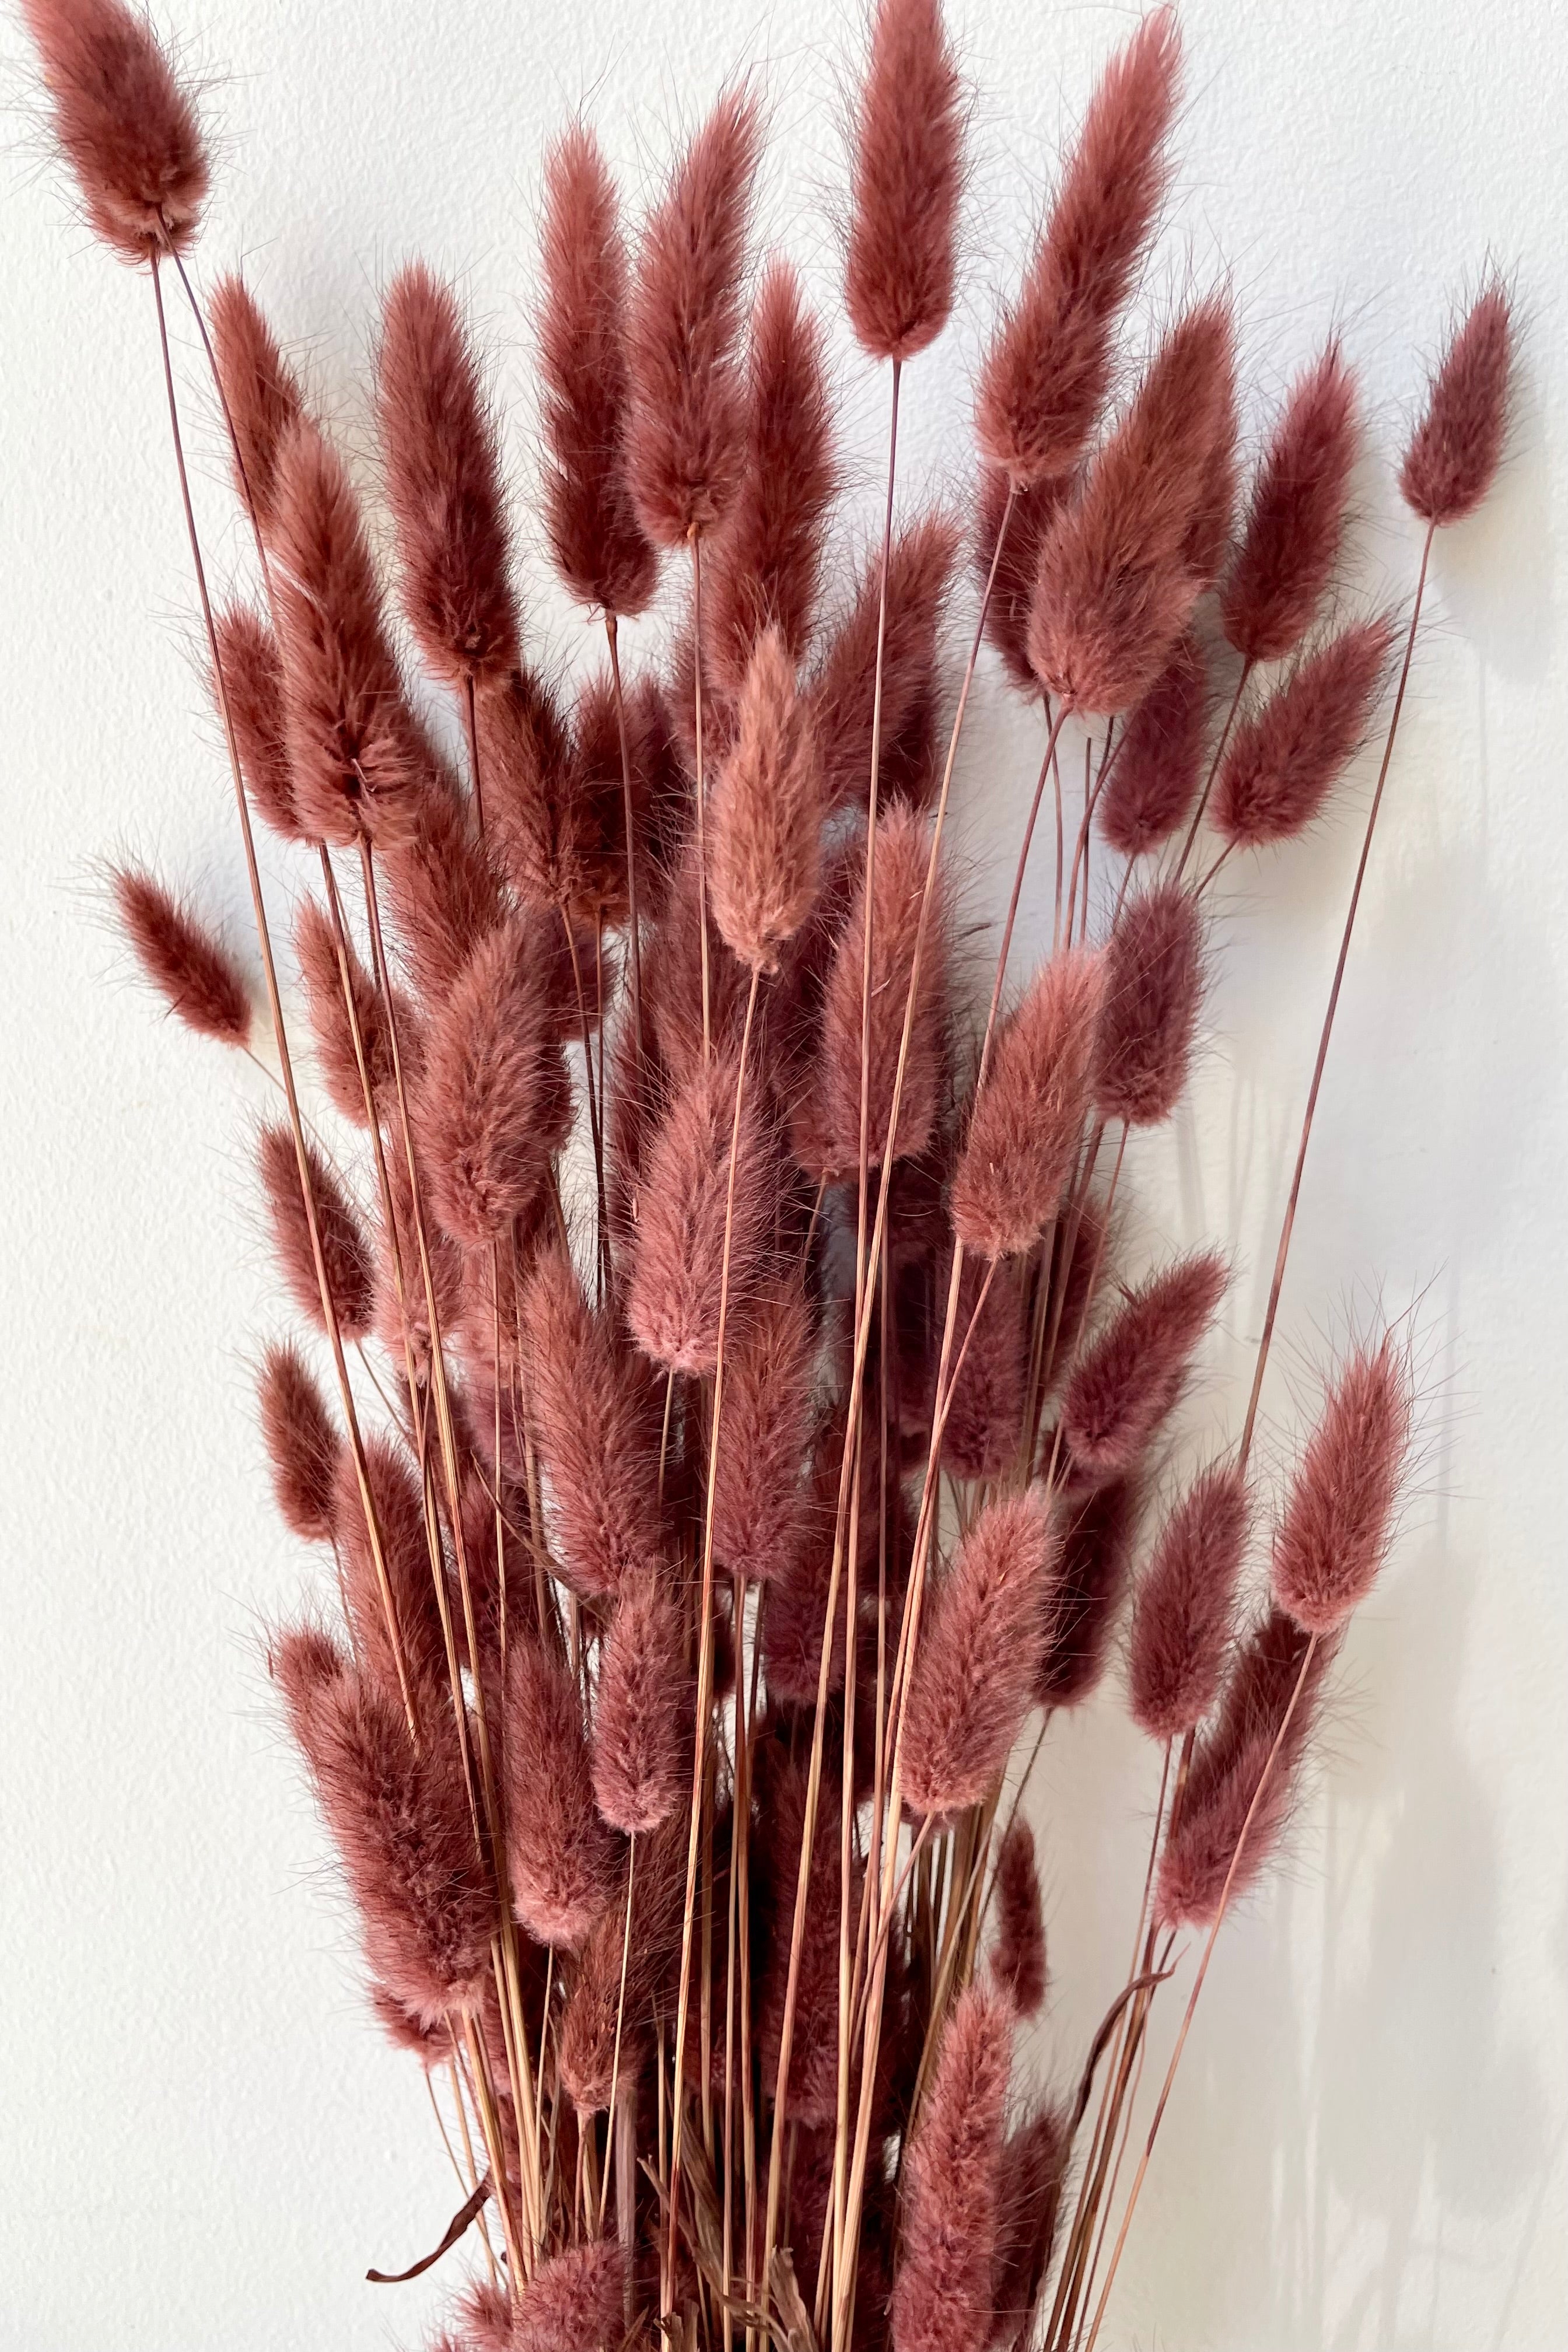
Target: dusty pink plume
(403, 1829)
(1227, 1768)
(315, 949)
(979, 1651)
(1095, 1537)
(943, 2293)
(345, 1245)
(1116, 586)
(986, 1411)
(587, 2039)
(906, 177)
(1049, 367)
(574, 2302)
(562, 1862)
(1339, 1521)
(843, 692)
(404, 1546)
(1154, 775)
(261, 393)
(1033, 2168)
(685, 432)
(1182, 1618)
(1018, 1954)
(445, 895)
(192, 971)
(766, 823)
(596, 1412)
(760, 1501)
(253, 688)
(1284, 761)
(1013, 590)
(643, 1716)
(127, 129)
(442, 468)
(677, 1276)
(303, 1447)
(1295, 515)
(1127, 1384)
(1457, 447)
(600, 549)
(1028, 1119)
(494, 1098)
(1153, 985)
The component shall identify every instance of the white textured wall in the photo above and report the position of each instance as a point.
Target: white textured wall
(203, 2143)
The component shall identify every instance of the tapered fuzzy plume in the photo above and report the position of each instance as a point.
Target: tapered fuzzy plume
(843, 693)
(642, 1718)
(403, 1831)
(1153, 985)
(811, 2094)
(765, 826)
(534, 803)
(302, 1445)
(685, 431)
(1154, 775)
(354, 749)
(253, 690)
(1033, 2168)
(1285, 761)
(495, 1101)
(1011, 598)
(443, 483)
(943, 2293)
(1295, 515)
(563, 1862)
(979, 1653)
(1097, 1530)
(1181, 1620)
(316, 948)
(409, 1318)
(906, 178)
(1049, 368)
(594, 2007)
(794, 1618)
(1127, 1384)
(445, 895)
(827, 1130)
(431, 2045)
(261, 396)
(193, 971)
(1018, 1956)
(677, 1270)
(1116, 586)
(767, 561)
(595, 1408)
(1226, 1772)
(1028, 1119)
(574, 2301)
(599, 546)
(345, 1246)
(129, 132)
(760, 1502)
(405, 1547)
(985, 1411)
(1457, 447)
(1338, 1524)
(1078, 1268)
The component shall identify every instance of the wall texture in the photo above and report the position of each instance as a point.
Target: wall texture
(204, 2142)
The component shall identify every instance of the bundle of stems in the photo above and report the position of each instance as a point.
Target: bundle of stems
(719, 1397)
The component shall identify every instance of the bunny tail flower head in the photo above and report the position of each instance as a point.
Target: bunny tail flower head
(124, 124)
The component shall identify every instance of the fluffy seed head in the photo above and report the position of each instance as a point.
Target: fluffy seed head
(1028, 1117)
(1181, 1624)
(642, 1720)
(253, 688)
(444, 892)
(443, 483)
(943, 2294)
(1338, 1523)
(1116, 586)
(1012, 595)
(759, 1500)
(594, 2003)
(316, 948)
(192, 971)
(1034, 2168)
(1018, 1958)
(302, 1445)
(129, 132)
(574, 2302)
(1284, 762)
(1154, 773)
(562, 1860)
(843, 694)
(1295, 515)
(404, 1546)
(261, 393)
(685, 431)
(978, 1655)
(1127, 1384)
(907, 174)
(986, 1413)
(673, 1301)
(1153, 983)
(1049, 367)
(345, 1246)
(765, 827)
(1095, 1537)
(1456, 449)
